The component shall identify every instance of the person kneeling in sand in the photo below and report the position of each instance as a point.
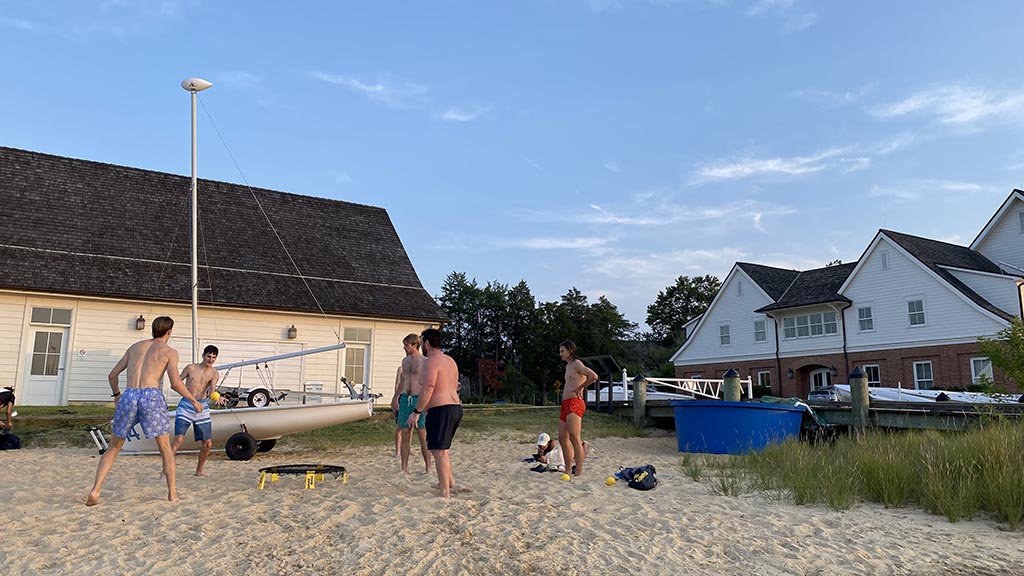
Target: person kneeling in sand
(143, 402)
(550, 453)
(201, 379)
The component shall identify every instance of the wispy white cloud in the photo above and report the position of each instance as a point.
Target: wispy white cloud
(750, 167)
(240, 79)
(533, 163)
(957, 105)
(17, 24)
(659, 269)
(831, 100)
(897, 142)
(554, 243)
(461, 115)
(853, 164)
(663, 211)
(613, 167)
(800, 22)
(762, 6)
(926, 188)
(341, 178)
(391, 92)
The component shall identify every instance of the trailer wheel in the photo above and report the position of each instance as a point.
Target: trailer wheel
(240, 446)
(266, 445)
(258, 397)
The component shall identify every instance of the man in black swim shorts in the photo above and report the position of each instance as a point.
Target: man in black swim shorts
(439, 397)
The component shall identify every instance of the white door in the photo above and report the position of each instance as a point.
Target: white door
(44, 381)
(820, 378)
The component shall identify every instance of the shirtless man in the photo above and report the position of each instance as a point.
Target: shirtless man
(201, 379)
(439, 398)
(144, 402)
(570, 420)
(409, 389)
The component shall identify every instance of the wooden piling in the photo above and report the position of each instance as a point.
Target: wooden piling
(639, 401)
(731, 386)
(859, 403)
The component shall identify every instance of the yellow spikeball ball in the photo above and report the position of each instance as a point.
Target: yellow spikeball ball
(565, 476)
(215, 396)
(610, 481)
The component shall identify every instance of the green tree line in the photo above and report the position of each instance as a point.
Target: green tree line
(506, 343)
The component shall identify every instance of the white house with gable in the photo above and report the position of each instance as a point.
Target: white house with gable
(909, 312)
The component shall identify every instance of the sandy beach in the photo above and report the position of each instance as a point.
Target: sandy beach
(509, 521)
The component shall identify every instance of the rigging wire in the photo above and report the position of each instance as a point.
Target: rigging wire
(267, 217)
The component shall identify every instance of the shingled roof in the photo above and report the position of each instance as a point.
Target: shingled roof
(936, 254)
(817, 286)
(78, 227)
(773, 281)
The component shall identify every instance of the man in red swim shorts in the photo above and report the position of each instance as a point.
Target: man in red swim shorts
(570, 421)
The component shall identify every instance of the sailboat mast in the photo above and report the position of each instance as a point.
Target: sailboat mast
(195, 243)
(194, 86)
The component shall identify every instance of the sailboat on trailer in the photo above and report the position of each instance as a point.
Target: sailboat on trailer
(244, 431)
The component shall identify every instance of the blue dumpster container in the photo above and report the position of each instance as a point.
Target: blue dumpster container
(717, 427)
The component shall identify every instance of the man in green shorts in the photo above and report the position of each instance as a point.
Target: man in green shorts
(409, 394)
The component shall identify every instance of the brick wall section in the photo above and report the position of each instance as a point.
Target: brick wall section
(951, 368)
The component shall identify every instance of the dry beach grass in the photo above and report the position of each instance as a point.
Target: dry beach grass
(510, 521)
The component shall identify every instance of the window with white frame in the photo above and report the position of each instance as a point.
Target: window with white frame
(357, 357)
(1020, 221)
(923, 379)
(915, 312)
(980, 367)
(865, 320)
(810, 325)
(760, 330)
(739, 288)
(874, 374)
(57, 316)
(764, 378)
(883, 257)
(723, 335)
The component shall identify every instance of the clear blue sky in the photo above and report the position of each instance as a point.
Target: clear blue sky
(608, 145)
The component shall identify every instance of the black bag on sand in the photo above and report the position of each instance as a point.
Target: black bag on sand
(9, 441)
(643, 478)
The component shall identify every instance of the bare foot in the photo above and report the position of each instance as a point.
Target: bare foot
(92, 500)
(172, 497)
(202, 474)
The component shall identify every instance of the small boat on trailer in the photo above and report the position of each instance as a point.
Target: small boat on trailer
(242, 432)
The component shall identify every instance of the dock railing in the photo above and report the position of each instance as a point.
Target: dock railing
(703, 387)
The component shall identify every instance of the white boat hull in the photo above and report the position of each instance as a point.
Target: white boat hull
(266, 423)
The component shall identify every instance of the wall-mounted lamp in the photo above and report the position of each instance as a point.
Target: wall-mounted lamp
(140, 323)
(833, 371)
(292, 333)
(789, 373)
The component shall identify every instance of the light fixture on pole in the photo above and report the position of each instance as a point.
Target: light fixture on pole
(195, 86)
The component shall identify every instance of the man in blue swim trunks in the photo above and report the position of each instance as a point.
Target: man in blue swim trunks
(201, 379)
(143, 402)
(409, 394)
(439, 398)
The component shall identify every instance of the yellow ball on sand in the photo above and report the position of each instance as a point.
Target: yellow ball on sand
(215, 396)
(565, 476)
(610, 481)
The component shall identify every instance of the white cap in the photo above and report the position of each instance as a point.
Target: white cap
(543, 439)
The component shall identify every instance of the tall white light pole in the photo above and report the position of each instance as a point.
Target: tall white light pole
(195, 86)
